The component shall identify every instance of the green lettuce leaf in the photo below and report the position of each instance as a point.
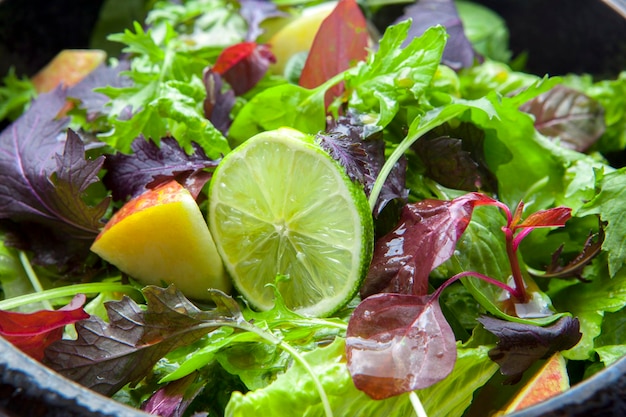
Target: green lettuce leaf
(294, 390)
(590, 301)
(609, 204)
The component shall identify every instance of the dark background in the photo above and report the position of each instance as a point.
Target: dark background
(560, 36)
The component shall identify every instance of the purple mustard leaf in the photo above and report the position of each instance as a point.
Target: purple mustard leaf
(44, 173)
(108, 355)
(425, 237)
(255, 12)
(568, 115)
(362, 154)
(218, 103)
(174, 398)
(454, 158)
(458, 52)
(27, 153)
(150, 165)
(520, 344)
(103, 76)
(396, 343)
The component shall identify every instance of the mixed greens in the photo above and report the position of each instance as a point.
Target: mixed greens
(460, 153)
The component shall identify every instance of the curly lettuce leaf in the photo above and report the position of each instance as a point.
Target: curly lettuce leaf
(166, 95)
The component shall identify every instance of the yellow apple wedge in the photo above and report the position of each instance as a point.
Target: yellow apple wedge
(69, 67)
(298, 34)
(161, 237)
(549, 381)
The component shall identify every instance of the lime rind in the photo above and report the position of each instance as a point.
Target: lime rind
(279, 204)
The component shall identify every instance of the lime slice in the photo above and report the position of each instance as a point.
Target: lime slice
(279, 204)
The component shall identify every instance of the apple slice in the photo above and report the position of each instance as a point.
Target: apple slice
(550, 380)
(68, 67)
(298, 34)
(162, 237)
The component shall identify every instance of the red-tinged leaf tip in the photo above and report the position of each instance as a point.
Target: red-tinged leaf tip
(554, 217)
(243, 65)
(340, 42)
(398, 343)
(33, 332)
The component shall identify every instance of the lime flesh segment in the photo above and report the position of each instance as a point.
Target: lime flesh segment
(279, 204)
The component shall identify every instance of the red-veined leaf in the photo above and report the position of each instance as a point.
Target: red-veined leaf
(34, 332)
(425, 237)
(397, 343)
(340, 42)
(564, 113)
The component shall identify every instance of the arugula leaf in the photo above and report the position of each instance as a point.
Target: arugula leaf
(520, 345)
(150, 165)
(15, 96)
(34, 332)
(394, 72)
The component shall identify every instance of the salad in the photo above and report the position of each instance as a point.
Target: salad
(287, 205)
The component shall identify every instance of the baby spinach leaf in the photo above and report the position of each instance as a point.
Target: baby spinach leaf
(398, 343)
(283, 105)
